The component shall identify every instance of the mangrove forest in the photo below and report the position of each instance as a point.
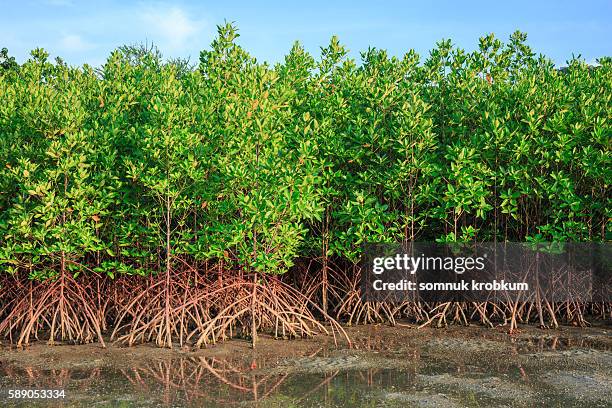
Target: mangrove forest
(175, 203)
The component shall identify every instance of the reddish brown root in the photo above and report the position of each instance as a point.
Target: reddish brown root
(63, 307)
(353, 310)
(246, 305)
(322, 283)
(215, 309)
(203, 307)
(167, 311)
(11, 289)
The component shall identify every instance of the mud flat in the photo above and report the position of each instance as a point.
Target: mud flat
(388, 366)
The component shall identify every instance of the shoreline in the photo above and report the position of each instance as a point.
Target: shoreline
(377, 338)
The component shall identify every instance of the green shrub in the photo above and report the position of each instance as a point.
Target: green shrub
(143, 164)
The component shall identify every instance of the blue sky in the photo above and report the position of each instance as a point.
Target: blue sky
(86, 31)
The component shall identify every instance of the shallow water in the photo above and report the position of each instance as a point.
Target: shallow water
(444, 371)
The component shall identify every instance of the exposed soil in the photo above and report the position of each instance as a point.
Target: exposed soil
(391, 366)
(377, 338)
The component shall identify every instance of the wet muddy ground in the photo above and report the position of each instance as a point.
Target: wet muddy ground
(388, 366)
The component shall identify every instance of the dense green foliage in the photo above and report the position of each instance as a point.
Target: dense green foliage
(143, 165)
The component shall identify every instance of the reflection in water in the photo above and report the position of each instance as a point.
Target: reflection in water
(193, 381)
(36, 378)
(213, 379)
(421, 377)
(206, 381)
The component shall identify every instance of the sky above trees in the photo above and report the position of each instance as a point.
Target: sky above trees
(80, 32)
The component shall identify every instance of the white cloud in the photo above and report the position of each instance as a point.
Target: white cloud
(73, 43)
(172, 26)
